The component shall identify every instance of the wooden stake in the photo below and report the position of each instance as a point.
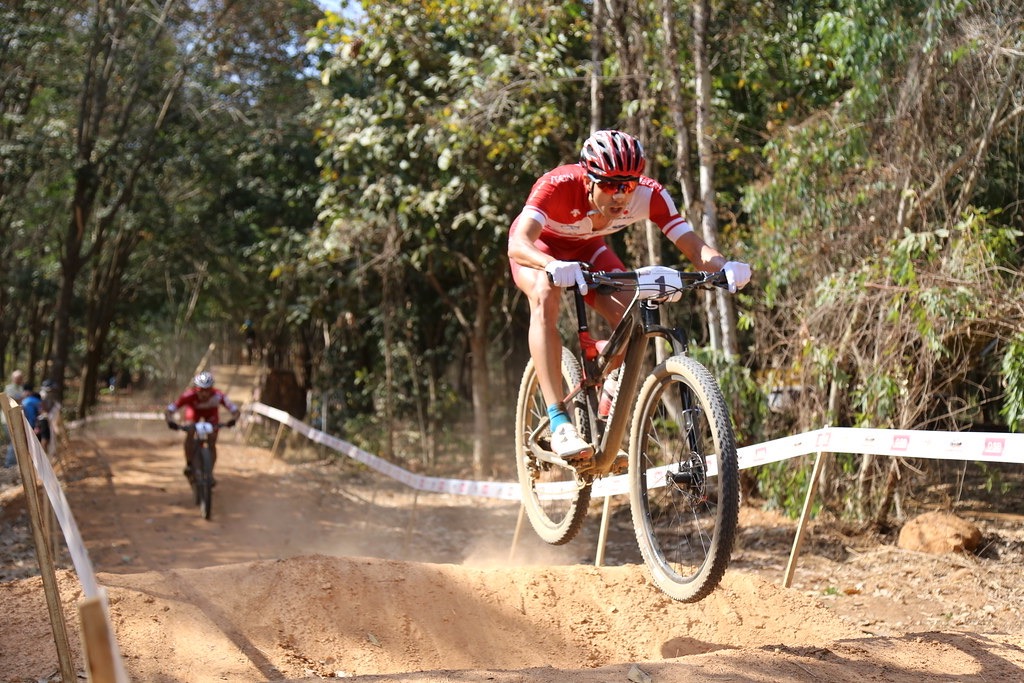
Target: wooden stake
(277, 440)
(603, 536)
(798, 541)
(97, 642)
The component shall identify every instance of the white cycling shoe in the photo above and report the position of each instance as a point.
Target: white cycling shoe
(567, 444)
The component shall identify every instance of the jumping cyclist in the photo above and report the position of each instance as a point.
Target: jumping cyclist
(569, 213)
(201, 401)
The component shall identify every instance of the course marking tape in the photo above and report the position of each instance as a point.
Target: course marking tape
(62, 511)
(971, 446)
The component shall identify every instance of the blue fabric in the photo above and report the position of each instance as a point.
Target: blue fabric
(556, 413)
(31, 405)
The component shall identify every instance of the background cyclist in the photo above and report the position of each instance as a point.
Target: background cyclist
(201, 401)
(568, 214)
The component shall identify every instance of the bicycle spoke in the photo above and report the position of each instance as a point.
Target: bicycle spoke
(554, 501)
(683, 529)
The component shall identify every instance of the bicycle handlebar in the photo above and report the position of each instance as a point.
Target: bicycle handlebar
(655, 282)
(191, 427)
(629, 279)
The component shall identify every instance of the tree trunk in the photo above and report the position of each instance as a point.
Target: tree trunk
(596, 72)
(721, 314)
(670, 61)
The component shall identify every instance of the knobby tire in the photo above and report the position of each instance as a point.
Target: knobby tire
(204, 482)
(684, 479)
(556, 520)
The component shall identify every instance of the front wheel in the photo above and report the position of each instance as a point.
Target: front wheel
(684, 479)
(204, 482)
(555, 501)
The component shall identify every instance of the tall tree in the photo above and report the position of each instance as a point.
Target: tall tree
(449, 120)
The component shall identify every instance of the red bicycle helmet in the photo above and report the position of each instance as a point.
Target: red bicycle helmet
(613, 154)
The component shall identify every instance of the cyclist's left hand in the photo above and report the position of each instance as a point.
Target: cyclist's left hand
(738, 275)
(231, 422)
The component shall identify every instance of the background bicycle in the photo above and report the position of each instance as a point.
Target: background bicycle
(203, 457)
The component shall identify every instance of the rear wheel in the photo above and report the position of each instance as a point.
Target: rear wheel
(684, 479)
(555, 501)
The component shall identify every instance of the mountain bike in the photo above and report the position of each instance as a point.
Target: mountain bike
(682, 467)
(201, 466)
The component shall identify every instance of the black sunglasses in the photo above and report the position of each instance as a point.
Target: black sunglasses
(616, 185)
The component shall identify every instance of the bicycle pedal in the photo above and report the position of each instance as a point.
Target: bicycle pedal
(580, 458)
(621, 463)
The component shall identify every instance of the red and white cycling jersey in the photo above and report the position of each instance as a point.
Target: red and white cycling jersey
(196, 408)
(559, 202)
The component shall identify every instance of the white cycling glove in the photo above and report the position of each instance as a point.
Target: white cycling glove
(567, 274)
(738, 275)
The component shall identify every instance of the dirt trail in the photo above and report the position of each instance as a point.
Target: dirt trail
(316, 570)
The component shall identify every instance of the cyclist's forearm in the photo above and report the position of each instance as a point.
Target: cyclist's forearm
(521, 248)
(702, 255)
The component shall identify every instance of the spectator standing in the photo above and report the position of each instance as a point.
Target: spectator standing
(249, 330)
(43, 421)
(15, 390)
(17, 386)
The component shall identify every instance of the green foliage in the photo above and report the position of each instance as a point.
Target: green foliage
(745, 398)
(783, 485)
(994, 481)
(1013, 382)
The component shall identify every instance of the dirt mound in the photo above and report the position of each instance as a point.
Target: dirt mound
(316, 617)
(311, 570)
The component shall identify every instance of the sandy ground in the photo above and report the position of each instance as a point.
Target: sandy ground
(316, 569)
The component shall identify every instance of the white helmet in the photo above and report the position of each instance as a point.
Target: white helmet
(204, 380)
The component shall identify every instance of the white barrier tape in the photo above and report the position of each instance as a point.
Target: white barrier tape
(972, 446)
(459, 487)
(117, 415)
(980, 446)
(62, 511)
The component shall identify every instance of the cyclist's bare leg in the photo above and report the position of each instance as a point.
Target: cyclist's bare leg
(545, 342)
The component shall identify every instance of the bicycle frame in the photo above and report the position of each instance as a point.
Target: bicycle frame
(640, 323)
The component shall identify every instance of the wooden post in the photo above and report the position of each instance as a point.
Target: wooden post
(602, 538)
(277, 440)
(519, 528)
(798, 541)
(97, 642)
(16, 427)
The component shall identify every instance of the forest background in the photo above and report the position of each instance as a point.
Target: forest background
(170, 168)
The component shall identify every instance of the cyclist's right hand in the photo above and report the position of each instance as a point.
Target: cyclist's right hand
(173, 426)
(737, 274)
(566, 274)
